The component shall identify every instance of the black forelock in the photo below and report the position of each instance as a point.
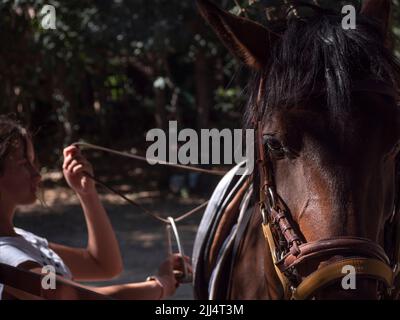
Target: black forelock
(319, 56)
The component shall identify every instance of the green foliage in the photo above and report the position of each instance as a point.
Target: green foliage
(103, 73)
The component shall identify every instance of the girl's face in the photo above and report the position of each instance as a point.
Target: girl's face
(20, 179)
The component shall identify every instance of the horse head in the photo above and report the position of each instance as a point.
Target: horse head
(324, 105)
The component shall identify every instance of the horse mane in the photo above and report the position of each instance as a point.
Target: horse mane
(319, 56)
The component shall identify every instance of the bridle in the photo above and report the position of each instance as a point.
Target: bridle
(288, 248)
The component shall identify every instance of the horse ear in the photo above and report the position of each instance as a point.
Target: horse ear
(381, 11)
(247, 40)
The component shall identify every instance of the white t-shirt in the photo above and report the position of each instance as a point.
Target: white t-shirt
(29, 247)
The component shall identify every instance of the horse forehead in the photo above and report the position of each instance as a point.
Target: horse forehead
(367, 111)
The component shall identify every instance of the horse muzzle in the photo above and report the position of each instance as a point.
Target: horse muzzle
(345, 268)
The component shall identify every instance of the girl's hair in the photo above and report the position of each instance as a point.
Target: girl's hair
(11, 134)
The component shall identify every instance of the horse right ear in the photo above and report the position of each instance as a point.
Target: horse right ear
(247, 40)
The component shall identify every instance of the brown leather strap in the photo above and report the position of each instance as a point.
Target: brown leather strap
(343, 245)
(21, 280)
(30, 282)
(272, 248)
(365, 268)
(281, 220)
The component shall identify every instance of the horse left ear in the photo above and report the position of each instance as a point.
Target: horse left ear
(379, 10)
(247, 40)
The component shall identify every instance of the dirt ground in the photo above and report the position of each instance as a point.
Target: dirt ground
(142, 239)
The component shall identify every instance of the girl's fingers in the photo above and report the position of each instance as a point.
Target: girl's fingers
(178, 257)
(67, 161)
(78, 168)
(69, 158)
(81, 167)
(178, 264)
(69, 150)
(72, 164)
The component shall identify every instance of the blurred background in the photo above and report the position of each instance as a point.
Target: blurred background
(108, 73)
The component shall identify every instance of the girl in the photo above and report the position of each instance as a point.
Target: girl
(100, 260)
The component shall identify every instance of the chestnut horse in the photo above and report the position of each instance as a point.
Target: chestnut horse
(318, 218)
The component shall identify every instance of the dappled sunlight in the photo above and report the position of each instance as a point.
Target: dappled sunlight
(145, 239)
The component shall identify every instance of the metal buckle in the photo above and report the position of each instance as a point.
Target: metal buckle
(293, 291)
(396, 269)
(264, 214)
(271, 197)
(269, 204)
(279, 254)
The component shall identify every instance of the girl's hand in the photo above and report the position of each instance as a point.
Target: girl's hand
(74, 167)
(166, 275)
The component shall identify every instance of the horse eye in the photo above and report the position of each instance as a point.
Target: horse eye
(276, 147)
(274, 144)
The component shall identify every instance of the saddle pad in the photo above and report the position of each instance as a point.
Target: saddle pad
(220, 278)
(220, 199)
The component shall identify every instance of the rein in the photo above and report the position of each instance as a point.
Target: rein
(144, 159)
(170, 222)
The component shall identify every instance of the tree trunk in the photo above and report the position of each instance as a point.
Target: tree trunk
(161, 112)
